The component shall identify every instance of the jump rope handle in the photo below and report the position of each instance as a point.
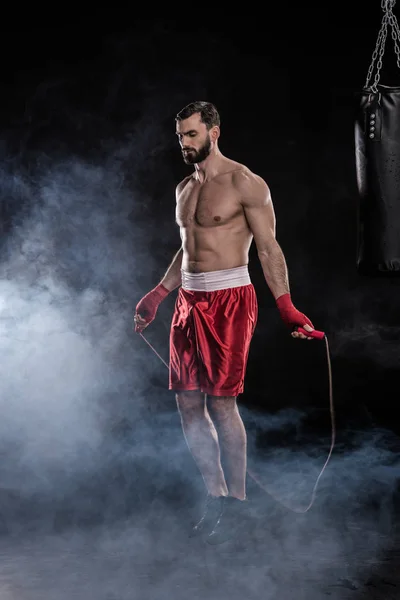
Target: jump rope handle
(318, 335)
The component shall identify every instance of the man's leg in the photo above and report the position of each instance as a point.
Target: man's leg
(232, 441)
(202, 440)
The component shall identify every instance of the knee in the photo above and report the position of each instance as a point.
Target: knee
(222, 407)
(191, 405)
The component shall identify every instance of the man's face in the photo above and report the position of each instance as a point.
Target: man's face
(194, 139)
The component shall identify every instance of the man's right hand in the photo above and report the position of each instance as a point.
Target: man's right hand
(140, 323)
(147, 307)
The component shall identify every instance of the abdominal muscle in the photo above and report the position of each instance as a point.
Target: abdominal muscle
(205, 251)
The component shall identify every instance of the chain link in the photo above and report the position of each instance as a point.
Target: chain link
(388, 19)
(381, 37)
(395, 36)
(387, 4)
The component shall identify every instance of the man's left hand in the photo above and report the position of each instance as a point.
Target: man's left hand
(298, 334)
(293, 318)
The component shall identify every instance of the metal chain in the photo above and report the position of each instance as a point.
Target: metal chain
(378, 48)
(395, 36)
(388, 19)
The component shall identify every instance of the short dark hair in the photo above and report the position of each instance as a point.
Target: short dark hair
(208, 113)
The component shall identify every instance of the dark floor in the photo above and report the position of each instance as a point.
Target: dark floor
(150, 556)
(123, 532)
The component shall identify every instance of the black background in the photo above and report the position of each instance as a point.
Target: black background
(103, 93)
(286, 86)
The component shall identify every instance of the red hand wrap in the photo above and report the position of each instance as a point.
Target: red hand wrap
(289, 314)
(148, 305)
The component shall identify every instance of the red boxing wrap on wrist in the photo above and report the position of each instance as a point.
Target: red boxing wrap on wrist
(148, 305)
(289, 314)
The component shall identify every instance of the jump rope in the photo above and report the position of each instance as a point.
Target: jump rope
(319, 335)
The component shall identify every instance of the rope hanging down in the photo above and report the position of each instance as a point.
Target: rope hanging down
(376, 62)
(333, 436)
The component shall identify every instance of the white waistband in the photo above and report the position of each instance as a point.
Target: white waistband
(215, 280)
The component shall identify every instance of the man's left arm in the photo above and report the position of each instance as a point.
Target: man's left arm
(260, 215)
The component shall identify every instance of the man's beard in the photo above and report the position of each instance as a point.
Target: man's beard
(197, 156)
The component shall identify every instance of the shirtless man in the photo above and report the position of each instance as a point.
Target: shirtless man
(220, 208)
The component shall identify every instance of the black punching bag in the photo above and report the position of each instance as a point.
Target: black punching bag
(377, 145)
(377, 158)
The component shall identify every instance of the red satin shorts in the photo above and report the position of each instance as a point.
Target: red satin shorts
(210, 339)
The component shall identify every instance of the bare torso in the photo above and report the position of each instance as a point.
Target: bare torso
(213, 227)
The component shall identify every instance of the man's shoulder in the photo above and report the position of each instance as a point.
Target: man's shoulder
(182, 184)
(245, 179)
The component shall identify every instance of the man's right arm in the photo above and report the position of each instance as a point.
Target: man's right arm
(173, 277)
(146, 309)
